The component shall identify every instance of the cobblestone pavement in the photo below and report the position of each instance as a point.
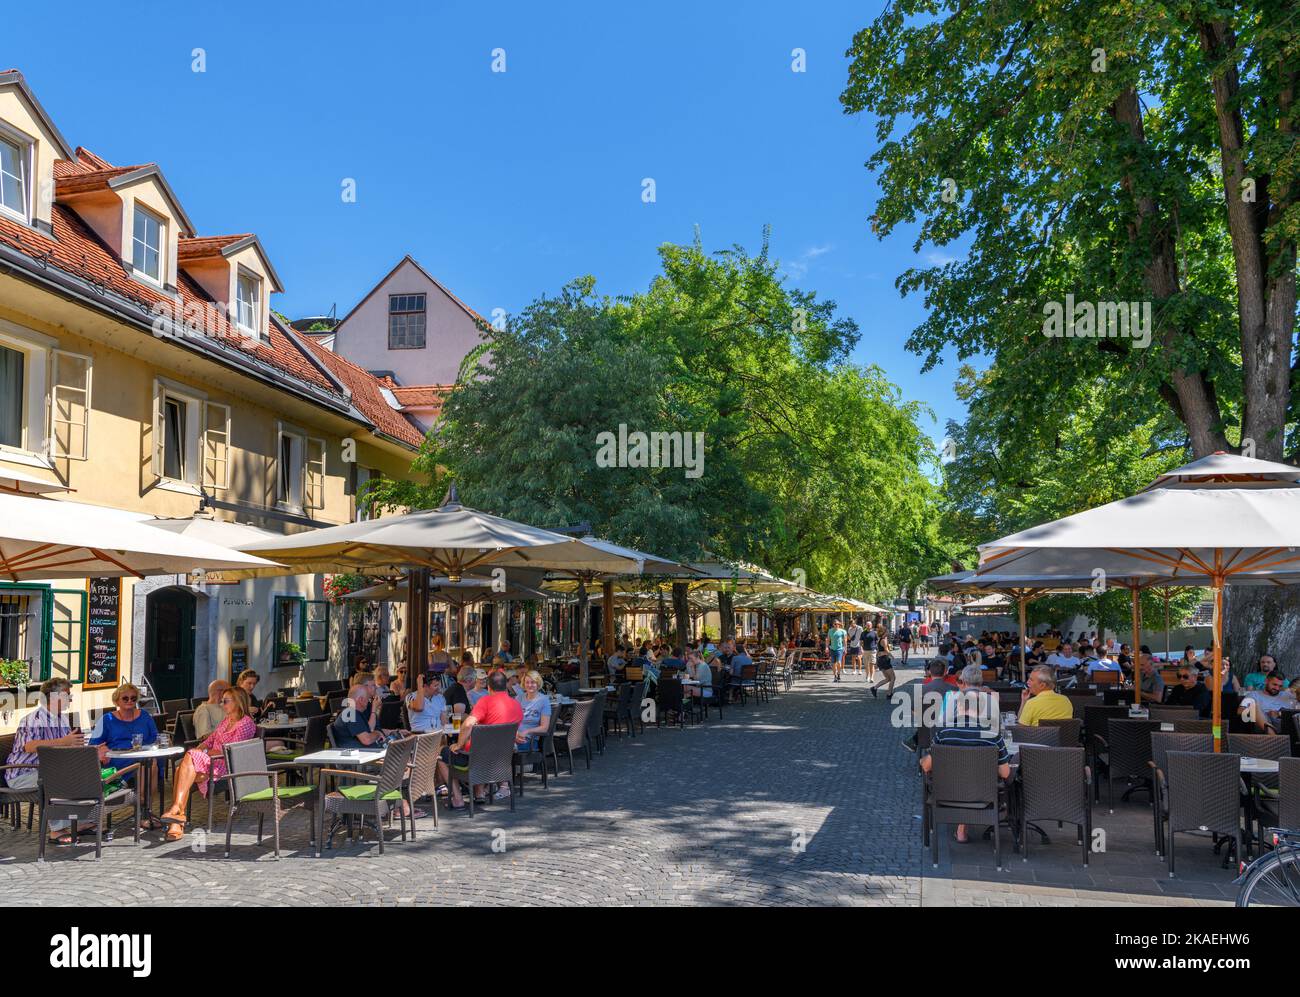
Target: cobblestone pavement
(807, 800)
(789, 802)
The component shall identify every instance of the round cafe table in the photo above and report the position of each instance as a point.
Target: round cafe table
(148, 773)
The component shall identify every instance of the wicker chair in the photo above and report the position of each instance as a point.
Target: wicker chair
(185, 732)
(620, 711)
(313, 739)
(962, 788)
(1203, 792)
(719, 687)
(491, 756)
(574, 736)
(1171, 714)
(423, 778)
(596, 721)
(568, 689)
(1282, 809)
(73, 789)
(1054, 784)
(12, 799)
(540, 755)
(1126, 754)
(371, 795)
(1095, 719)
(1193, 726)
(1071, 731)
(1024, 734)
(255, 787)
(306, 708)
(747, 682)
(1161, 744)
(669, 701)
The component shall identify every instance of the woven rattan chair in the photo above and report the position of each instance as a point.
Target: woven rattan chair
(13, 799)
(313, 739)
(1095, 720)
(1171, 714)
(669, 702)
(72, 788)
(541, 755)
(371, 795)
(1054, 786)
(747, 683)
(1024, 734)
(1071, 731)
(1282, 809)
(596, 721)
(255, 788)
(962, 789)
(306, 708)
(423, 778)
(491, 756)
(620, 711)
(1203, 792)
(1126, 753)
(568, 689)
(1193, 727)
(1161, 744)
(574, 736)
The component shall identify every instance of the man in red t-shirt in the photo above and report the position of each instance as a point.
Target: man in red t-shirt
(497, 707)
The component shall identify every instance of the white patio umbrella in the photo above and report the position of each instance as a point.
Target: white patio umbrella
(47, 538)
(1218, 519)
(21, 483)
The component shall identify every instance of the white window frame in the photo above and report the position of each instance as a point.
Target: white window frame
(306, 488)
(160, 279)
(255, 282)
(56, 392)
(216, 447)
(36, 349)
(363, 511)
(27, 162)
(199, 416)
(407, 345)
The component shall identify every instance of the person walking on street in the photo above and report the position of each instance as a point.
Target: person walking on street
(835, 644)
(855, 647)
(904, 640)
(870, 641)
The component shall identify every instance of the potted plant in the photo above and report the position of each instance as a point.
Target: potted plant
(15, 673)
(291, 655)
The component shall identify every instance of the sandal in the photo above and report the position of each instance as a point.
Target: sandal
(61, 839)
(175, 832)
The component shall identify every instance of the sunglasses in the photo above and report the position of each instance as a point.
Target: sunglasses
(127, 699)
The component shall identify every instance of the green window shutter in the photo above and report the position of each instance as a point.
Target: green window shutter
(64, 638)
(316, 629)
(288, 621)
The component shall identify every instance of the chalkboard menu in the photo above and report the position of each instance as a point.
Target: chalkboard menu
(238, 660)
(103, 629)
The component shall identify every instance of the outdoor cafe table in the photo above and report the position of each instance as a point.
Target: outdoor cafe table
(328, 758)
(149, 773)
(271, 726)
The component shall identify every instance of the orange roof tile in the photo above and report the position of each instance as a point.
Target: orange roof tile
(206, 245)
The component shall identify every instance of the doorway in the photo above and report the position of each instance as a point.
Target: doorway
(169, 643)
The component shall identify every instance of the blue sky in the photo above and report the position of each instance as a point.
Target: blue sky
(503, 185)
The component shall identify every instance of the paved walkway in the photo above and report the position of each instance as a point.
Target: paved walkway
(808, 800)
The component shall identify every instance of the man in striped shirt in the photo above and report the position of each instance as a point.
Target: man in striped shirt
(46, 726)
(971, 720)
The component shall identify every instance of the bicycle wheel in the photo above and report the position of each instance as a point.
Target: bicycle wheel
(1272, 881)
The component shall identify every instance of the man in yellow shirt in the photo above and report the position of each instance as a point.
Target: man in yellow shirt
(1041, 701)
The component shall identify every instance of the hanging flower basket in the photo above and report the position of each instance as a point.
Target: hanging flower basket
(337, 586)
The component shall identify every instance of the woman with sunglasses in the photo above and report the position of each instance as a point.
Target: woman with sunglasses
(118, 729)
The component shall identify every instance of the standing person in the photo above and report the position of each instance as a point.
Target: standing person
(924, 631)
(884, 665)
(855, 647)
(904, 640)
(870, 643)
(835, 644)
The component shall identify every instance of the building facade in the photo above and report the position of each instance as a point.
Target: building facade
(142, 368)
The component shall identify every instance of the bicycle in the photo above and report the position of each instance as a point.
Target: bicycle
(1273, 879)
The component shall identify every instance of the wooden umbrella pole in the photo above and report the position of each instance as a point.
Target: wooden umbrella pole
(1023, 600)
(1137, 646)
(1166, 624)
(607, 611)
(1217, 713)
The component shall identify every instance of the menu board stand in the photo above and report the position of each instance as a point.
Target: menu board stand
(103, 632)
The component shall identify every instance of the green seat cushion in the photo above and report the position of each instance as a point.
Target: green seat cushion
(286, 793)
(367, 793)
(282, 756)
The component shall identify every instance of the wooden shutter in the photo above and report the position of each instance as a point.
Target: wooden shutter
(313, 474)
(69, 407)
(159, 439)
(216, 446)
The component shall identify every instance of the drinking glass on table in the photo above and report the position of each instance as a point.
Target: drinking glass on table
(164, 739)
(136, 741)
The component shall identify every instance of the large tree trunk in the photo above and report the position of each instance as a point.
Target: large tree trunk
(726, 615)
(681, 612)
(1262, 621)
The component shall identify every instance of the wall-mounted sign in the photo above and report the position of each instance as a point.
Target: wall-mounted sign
(103, 632)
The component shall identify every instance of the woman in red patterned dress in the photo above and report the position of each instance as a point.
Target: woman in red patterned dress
(208, 760)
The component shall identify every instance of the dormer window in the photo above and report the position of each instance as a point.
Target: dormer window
(406, 321)
(249, 294)
(13, 177)
(146, 245)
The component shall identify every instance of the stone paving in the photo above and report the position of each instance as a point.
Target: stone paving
(807, 800)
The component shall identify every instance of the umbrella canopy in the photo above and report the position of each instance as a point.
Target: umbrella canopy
(442, 589)
(451, 540)
(21, 483)
(202, 526)
(43, 538)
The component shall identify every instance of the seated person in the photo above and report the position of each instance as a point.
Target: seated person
(1264, 707)
(457, 692)
(1153, 685)
(968, 723)
(1105, 663)
(504, 653)
(209, 714)
(1040, 701)
(47, 725)
(426, 709)
(615, 661)
(1064, 659)
(1263, 668)
(247, 681)
(116, 729)
(674, 660)
(739, 659)
(536, 706)
(479, 688)
(208, 761)
(356, 726)
(496, 707)
(1190, 692)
